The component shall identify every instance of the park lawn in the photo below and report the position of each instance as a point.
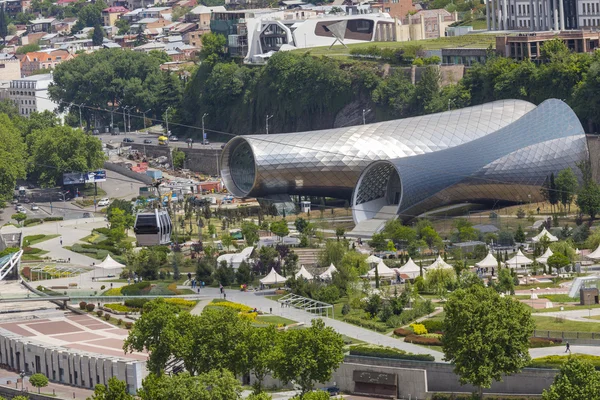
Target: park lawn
(35, 239)
(275, 297)
(482, 41)
(560, 298)
(275, 320)
(564, 308)
(556, 361)
(554, 324)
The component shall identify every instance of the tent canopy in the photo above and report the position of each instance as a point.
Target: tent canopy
(373, 259)
(303, 273)
(273, 278)
(109, 263)
(382, 270)
(440, 263)
(544, 257)
(488, 262)
(410, 268)
(543, 233)
(518, 260)
(594, 255)
(328, 274)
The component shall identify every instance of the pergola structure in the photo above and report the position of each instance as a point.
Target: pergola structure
(306, 304)
(56, 271)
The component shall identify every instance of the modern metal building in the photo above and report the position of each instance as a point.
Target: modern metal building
(329, 162)
(508, 165)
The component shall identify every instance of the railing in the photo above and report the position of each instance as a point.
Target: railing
(566, 335)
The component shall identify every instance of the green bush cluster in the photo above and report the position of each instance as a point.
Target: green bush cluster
(558, 361)
(31, 250)
(535, 342)
(136, 303)
(103, 231)
(117, 307)
(32, 221)
(434, 325)
(365, 323)
(49, 219)
(394, 56)
(388, 352)
(426, 340)
(135, 289)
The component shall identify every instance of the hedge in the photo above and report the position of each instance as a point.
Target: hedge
(434, 325)
(104, 231)
(365, 323)
(32, 221)
(117, 307)
(48, 219)
(535, 342)
(402, 332)
(558, 361)
(388, 352)
(134, 289)
(136, 303)
(424, 340)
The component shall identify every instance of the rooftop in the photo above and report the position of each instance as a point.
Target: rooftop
(115, 9)
(37, 78)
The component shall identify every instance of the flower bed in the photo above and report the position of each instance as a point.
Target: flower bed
(402, 332)
(418, 329)
(535, 342)
(387, 352)
(427, 340)
(228, 304)
(182, 303)
(118, 308)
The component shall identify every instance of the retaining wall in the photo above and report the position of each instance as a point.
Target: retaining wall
(127, 172)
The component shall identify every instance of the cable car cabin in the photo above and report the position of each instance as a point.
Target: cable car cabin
(153, 228)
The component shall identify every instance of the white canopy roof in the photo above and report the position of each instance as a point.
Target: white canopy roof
(109, 263)
(540, 235)
(544, 257)
(594, 255)
(273, 278)
(236, 258)
(488, 262)
(303, 273)
(373, 259)
(440, 263)
(329, 272)
(410, 268)
(382, 270)
(518, 260)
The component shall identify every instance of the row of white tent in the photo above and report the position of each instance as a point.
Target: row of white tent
(274, 278)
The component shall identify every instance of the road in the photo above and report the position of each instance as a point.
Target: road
(139, 137)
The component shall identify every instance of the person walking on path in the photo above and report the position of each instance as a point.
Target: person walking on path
(61, 241)
(568, 350)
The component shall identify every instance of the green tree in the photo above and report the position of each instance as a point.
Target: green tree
(116, 390)
(123, 25)
(378, 242)
(588, 199)
(567, 185)
(465, 230)
(250, 233)
(178, 158)
(506, 281)
(558, 261)
(39, 381)
(431, 237)
(395, 231)
(280, 228)
(300, 224)
(213, 47)
(19, 217)
(427, 91)
(243, 275)
(213, 385)
(12, 156)
(395, 94)
(485, 336)
(259, 356)
(3, 24)
(28, 48)
(309, 355)
(577, 380)
(98, 36)
(224, 274)
(155, 332)
(333, 253)
(520, 235)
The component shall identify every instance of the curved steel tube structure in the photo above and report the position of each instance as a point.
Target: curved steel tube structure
(329, 162)
(509, 165)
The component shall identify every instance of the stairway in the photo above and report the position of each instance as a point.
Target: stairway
(366, 228)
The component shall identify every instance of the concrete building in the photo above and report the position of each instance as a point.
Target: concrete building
(110, 15)
(31, 94)
(37, 60)
(202, 15)
(14, 7)
(10, 67)
(541, 15)
(395, 8)
(40, 25)
(527, 45)
(463, 56)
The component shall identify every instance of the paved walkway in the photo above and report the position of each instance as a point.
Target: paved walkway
(61, 391)
(573, 315)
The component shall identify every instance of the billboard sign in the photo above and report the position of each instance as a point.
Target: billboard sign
(79, 178)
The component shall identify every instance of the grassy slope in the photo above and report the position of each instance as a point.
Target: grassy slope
(552, 324)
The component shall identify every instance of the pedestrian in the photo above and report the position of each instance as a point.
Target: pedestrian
(129, 281)
(221, 288)
(189, 275)
(198, 290)
(111, 285)
(224, 295)
(568, 350)
(61, 241)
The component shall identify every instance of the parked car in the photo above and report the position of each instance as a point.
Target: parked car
(18, 205)
(21, 210)
(332, 390)
(147, 141)
(104, 202)
(173, 138)
(34, 207)
(128, 140)
(87, 215)
(26, 200)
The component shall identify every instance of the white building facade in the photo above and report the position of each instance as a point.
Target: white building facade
(541, 15)
(31, 94)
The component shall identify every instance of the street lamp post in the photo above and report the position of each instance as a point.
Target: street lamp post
(203, 132)
(148, 110)
(129, 118)
(267, 122)
(364, 115)
(124, 120)
(167, 120)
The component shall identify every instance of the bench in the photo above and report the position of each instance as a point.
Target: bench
(58, 287)
(72, 285)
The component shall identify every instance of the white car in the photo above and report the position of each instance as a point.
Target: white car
(34, 207)
(104, 202)
(21, 210)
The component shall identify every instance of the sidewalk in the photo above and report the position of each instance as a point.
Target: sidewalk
(61, 391)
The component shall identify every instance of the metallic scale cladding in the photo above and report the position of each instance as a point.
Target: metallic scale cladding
(329, 162)
(509, 165)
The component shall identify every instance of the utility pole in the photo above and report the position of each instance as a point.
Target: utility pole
(145, 117)
(167, 120)
(80, 123)
(267, 122)
(129, 118)
(124, 120)
(364, 116)
(112, 109)
(203, 132)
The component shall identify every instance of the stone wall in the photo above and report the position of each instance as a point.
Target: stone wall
(203, 160)
(8, 393)
(127, 172)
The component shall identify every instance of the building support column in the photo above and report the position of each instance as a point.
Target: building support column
(504, 14)
(561, 8)
(493, 16)
(498, 14)
(487, 14)
(531, 14)
(555, 8)
(537, 15)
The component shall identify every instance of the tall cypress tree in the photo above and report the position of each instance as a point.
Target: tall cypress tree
(3, 24)
(98, 36)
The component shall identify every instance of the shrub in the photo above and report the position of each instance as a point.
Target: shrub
(128, 325)
(99, 313)
(102, 287)
(32, 221)
(186, 304)
(82, 305)
(365, 323)
(387, 352)
(103, 231)
(119, 322)
(419, 329)
(235, 306)
(535, 342)
(113, 292)
(107, 317)
(90, 307)
(137, 303)
(117, 307)
(434, 325)
(135, 289)
(424, 340)
(394, 321)
(402, 332)
(48, 219)
(346, 309)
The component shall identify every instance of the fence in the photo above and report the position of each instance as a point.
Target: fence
(592, 338)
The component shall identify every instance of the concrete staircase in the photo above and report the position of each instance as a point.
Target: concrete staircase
(366, 229)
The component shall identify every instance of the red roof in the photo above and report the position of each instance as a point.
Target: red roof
(114, 9)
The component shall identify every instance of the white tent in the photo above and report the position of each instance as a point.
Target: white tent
(382, 270)
(273, 278)
(109, 263)
(440, 263)
(488, 262)
(594, 255)
(329, 272)
(235, 259)
(543, 259)
(518, 260)
(410, 268)
(373, 259)
(543, 233)
(303, 273)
